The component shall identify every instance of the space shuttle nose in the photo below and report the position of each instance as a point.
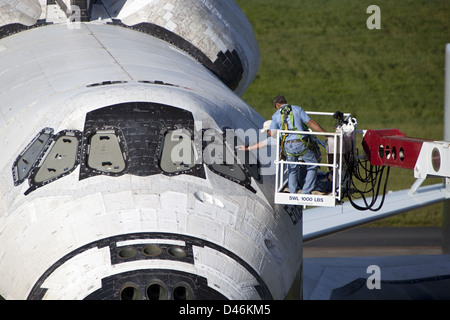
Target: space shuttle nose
(25, 12)
(114, 135)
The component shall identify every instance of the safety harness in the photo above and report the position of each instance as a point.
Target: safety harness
(286, 112)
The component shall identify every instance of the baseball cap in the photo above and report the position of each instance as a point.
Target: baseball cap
(266, 126)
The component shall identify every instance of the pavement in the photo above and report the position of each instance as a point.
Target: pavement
(377, 241)
(410, 262)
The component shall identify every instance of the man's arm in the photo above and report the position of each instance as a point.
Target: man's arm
(315, 126)
(259, 145)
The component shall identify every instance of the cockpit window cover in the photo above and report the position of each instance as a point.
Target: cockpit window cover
(221, 158)
(248, 159)
(177, 151)
(31, 156)
(61, 159)
(106, 153)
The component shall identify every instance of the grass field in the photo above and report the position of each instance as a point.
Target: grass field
(321, 56)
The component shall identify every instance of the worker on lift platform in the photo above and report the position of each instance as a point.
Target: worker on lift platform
(296, 146)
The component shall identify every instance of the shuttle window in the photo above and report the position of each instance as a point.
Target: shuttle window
(219, 157)
(248, 159)
(31, 155)
(47, 158)
(61, 159)
(252, 165)
(177, 151)
(105, 153)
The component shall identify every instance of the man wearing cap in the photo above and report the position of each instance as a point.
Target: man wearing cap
(293, 144)
(261, 144)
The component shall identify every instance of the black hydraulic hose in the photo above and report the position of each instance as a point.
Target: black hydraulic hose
(373, 178)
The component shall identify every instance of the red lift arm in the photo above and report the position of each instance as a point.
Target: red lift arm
(391, 147)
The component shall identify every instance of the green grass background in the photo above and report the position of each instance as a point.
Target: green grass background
(321, 56)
